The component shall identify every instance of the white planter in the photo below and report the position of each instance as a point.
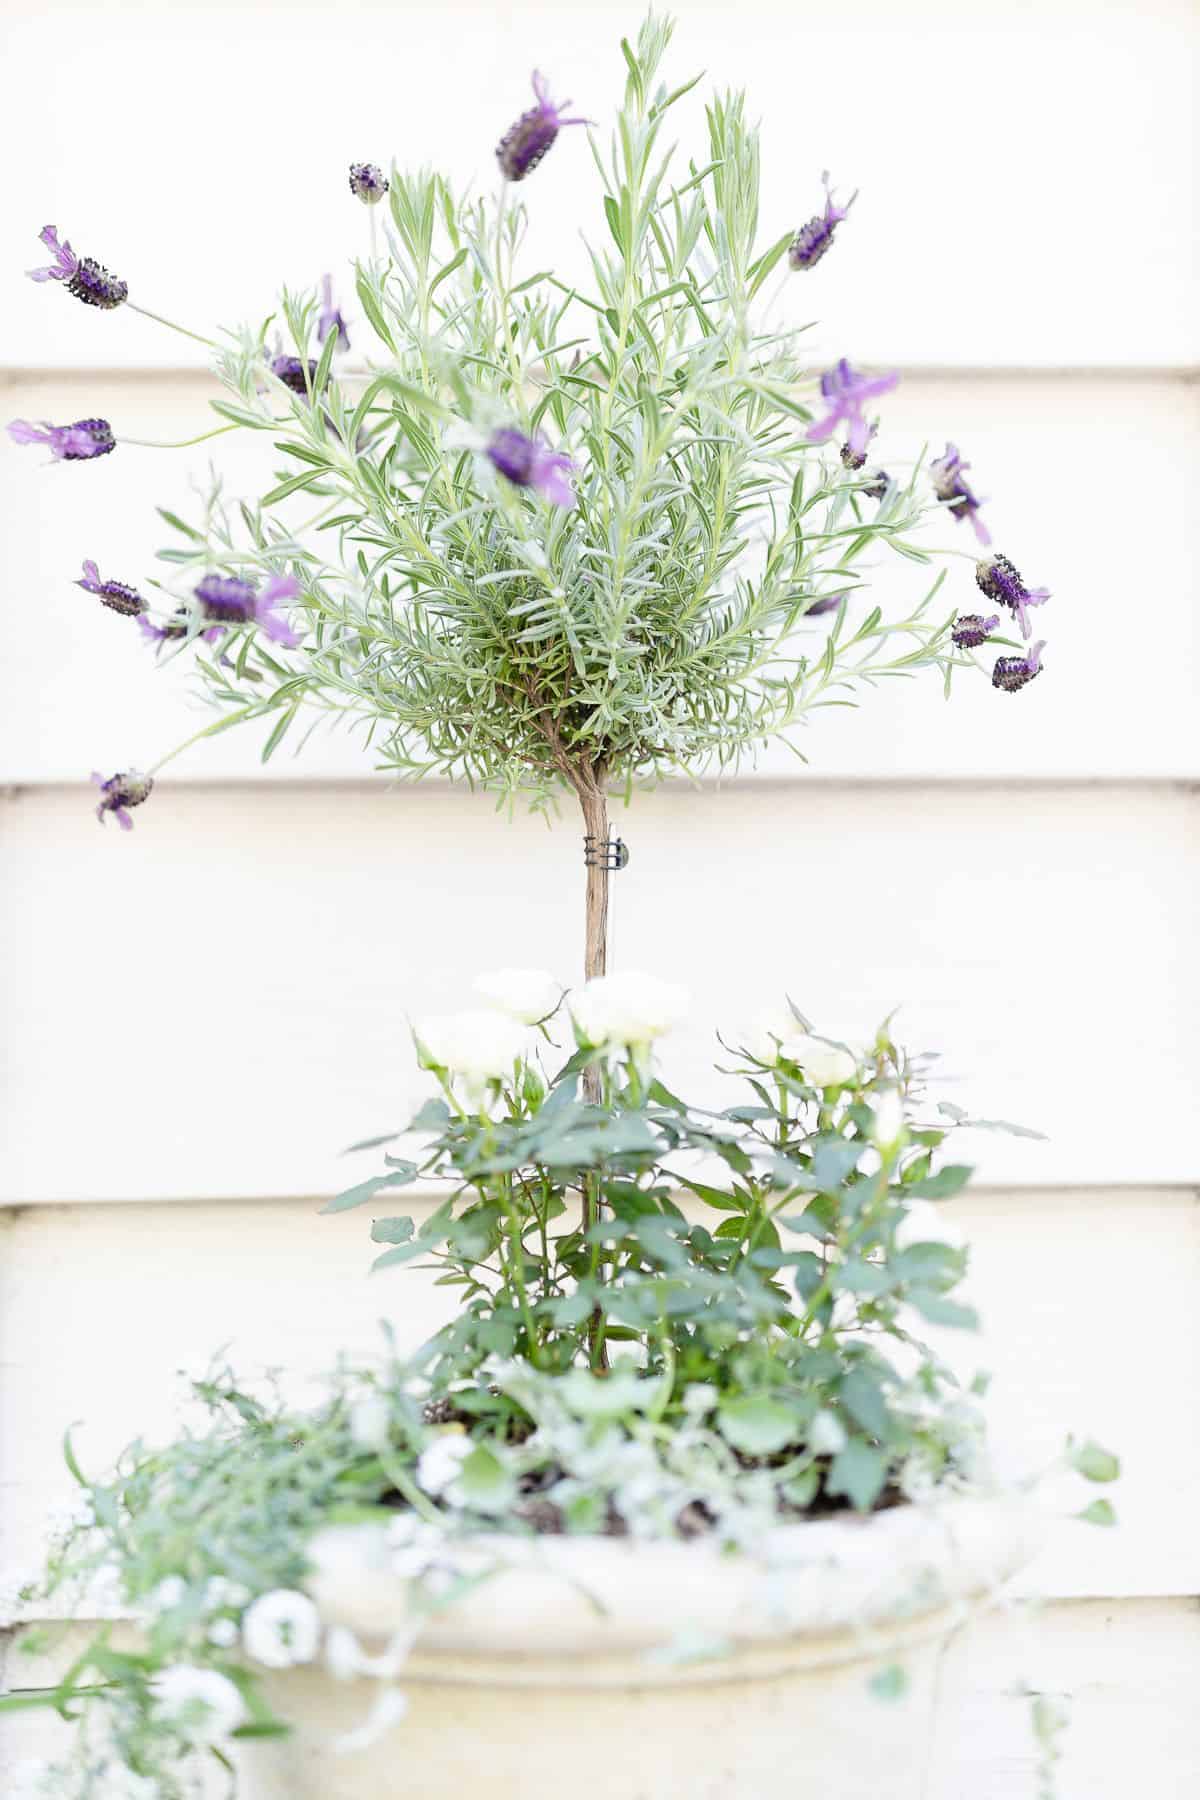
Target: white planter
(549, 1681)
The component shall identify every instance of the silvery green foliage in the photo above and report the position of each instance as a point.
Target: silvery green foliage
(471, 628)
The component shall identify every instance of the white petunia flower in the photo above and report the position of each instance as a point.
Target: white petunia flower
(440, 1462)
(201, 1704)
(526, 995)
(282, 1629)
(821, 1063)
(389, 1708)
(627, 1009)
(370, 1421)
(480, 1046)
(826, 1434)
(169, 1592)
(925, 1223)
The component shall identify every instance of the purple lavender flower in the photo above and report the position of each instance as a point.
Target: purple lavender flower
(876, 485)
(854, 459)
(528, 462)
(1012, 672)
(175, 627)
(524, 144)
(829, 603)
(329, 318)
(813, 240)
(972, 629)
(290, 370)
(117, 594)
(119, 792)
(950, 487)
(996, 577)
(368, 183)
(231, 601)
(69, 443)
(87, 279)
(846, 393)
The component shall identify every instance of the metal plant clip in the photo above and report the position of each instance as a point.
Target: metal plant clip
(605, 853)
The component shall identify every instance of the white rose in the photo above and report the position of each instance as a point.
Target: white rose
(925, 1223)
(826, 1434)
(767, 1031)
(627, 1009)
(202, 1704)
(887, 1130)
(526, 995)
(480, 1046)
(281, 1629)
(821, 1062)
(370, 1421)
(441, 1461)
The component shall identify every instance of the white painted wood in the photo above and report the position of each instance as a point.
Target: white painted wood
(102, 1308)
(214, 1004)
(1026, 174)
(1123, 1672)
(81, 688)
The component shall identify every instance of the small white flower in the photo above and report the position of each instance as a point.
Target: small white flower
(221, 1594)
(281, 1629)
(440, 1462)
(826, 1434)
(480, 1046)
(699, 1399)
(627, 1009)
(169, 1592)
(925, 1223)
(223, 1633)
(370, 1421)
(526, 995)
(202, 1704)
(822, 1063)
(389, 1708)
(887, 1128)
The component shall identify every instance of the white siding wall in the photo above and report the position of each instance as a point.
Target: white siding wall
(1020, 874)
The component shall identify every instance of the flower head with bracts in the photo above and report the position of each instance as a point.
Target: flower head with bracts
(524, 144)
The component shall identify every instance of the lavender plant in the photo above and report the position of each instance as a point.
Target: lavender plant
(557, 537)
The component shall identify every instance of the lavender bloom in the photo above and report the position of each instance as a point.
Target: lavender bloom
(527, 462)
(368, 183)
(329, 318)
(70, 443)
(290, 370)
(877, 484)
(175, 627)
(1012, 672)
(972, 629)
(854, 459)
(232, 601)
(524, 144)
(117, 594)
(846, 393)
(950, 487)
(119, 792)
(996, 577)
(828, 604)
(87, 279)
(813, 240)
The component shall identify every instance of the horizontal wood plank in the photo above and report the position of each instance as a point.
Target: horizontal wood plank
(215, 1003)
(83, 690)
(969, 243)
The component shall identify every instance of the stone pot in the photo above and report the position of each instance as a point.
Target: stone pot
(614, 1669)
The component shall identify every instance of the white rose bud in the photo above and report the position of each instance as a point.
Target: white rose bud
(480, 1046)
(628, 1009)
(822, 1063)
(526, 995)
(767, 1031)
(888, 1128)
